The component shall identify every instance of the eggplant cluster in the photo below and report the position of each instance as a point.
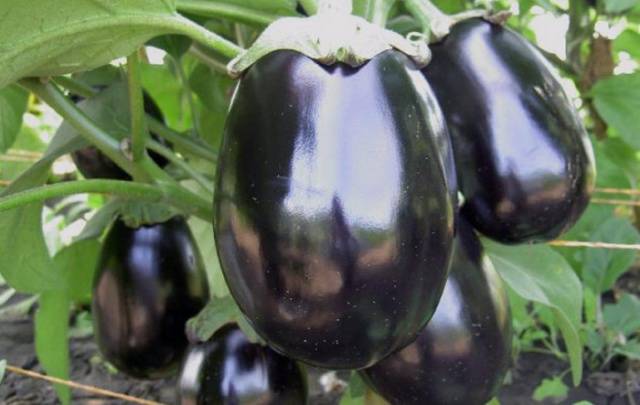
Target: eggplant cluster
(336, 214)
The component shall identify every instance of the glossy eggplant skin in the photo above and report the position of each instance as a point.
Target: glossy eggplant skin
(93, 164)
(333, 216)
(149, 282)
(524, 161)
(462, 355)
(230, 370)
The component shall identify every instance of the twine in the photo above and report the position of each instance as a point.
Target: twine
(78, 386)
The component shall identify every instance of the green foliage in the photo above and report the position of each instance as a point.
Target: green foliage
(628, 41)
(13, 104)
(623, 316)
(617, 99)
(551, 388)
(217, 313)
(76, 264)
(72, 36)
(354, 395)
(619, 6)
(51, 334)
(549, 288)
(602, 267)
(541, 275)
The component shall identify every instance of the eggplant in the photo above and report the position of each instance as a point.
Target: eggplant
(334, 212)
(524, 161)
(149, 281)
(463, 353)
(230, 370)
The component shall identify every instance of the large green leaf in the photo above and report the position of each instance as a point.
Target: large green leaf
(13, 104)
(166, 90)
(628, 41)
(539, 274)
(602, 267)
(617, 99)
(25, 263)
(619, 6)
(77, 264)
(214, 91)
(624, 315)
(27, 140)
(44, 37)
(51, 336)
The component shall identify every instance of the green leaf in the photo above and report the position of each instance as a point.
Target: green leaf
(602, 267)
(217, 313)
(617, 162)
(624, 315)
(50, 38)
(51, 338)
(96, 226)
(77, 263)
(3, 367)
(628, 41)
(174, 45)
(354, 395)
(26, 264)
(552, 388)
(214, 91)
(165, 88)
(619, 6)
(109, 109)
(203, 233)
(13, 104)
(539, 274)
(269, 6)
(631, 350)
(27, 140)
(617, 99)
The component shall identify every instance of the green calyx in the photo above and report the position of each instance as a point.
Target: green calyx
(333, 35)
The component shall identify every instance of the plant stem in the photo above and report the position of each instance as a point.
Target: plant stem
(189, 145)
(379, 11)
(231, 12)
(83, 124)
(169, 155)
(434, 20)
(196, 51)
(204, 36)
(146, 192)
(139, 132)
(74, 86)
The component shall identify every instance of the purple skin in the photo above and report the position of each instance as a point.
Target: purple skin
(148, 283)
(228, 369)
(462, 355)
(523, 158)
(334, 212)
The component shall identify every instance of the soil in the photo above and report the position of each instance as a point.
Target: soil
(16, 346)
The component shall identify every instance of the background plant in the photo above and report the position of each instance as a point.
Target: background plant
(568, 302)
